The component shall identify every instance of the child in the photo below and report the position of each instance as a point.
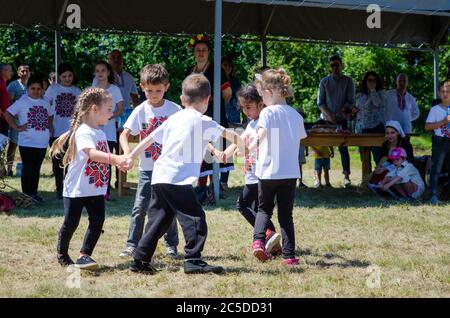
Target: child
(322, 160)
(62, 97)
(185, 136)
(438, 120)
(405, 179)
(302, 153)
(105, 79)
(279, 131)
(33, 113)
(86, 181)
(144, 120)
(251, 105)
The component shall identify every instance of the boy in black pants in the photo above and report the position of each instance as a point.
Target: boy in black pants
(185, 136)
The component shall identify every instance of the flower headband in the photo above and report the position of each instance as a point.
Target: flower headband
(197, 38)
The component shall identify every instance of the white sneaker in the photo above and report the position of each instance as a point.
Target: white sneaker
(317, 184)
(128, 252)
(347, 183)
(172, 251)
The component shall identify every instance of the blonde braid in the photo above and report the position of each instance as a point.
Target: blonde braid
(89, 97)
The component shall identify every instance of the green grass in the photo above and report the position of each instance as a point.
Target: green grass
(340, 235)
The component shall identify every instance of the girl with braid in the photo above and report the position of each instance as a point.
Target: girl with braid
(84, 149)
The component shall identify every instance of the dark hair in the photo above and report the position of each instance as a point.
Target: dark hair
(249, 93)
(441, 84)
(154, 74)
(335, 58)
(24, 65)
(111, 78)
(65, 67)
(196, 88)
(228, 59)
(364, 88)
(36, 79)
(201, 41)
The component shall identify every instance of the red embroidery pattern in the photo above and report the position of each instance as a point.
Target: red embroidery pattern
(98, 173)
(65, 104)
(154, 151)
(445, 130)
(38, 118)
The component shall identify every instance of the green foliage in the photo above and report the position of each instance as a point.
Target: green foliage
(306, 63)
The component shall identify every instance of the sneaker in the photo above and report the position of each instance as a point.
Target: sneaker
(172, 251)
(434, 200)
(328, 185)
(64, 260)
(86, 262)
(302, 185)
(137, 266)
(259, 250)
(128, 252)
(276, 251)
(9, 173)
(317, 184)
(291, 261)
(201, 267)
(347, 182)
(272, 241)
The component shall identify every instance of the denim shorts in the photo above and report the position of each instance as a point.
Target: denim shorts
(322, 163)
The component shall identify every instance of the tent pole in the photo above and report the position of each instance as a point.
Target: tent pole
(217, 77)
(436, 71)
(57, 52)
(264, 51)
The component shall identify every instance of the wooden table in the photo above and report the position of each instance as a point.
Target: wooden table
(347, 139)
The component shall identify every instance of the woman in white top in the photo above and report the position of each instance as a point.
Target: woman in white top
(105, 79)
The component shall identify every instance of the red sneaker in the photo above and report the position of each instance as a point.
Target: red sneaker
(259, 250)
(272, 241)
(291, 261)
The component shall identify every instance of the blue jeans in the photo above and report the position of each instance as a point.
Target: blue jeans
(441, 147)
(141, 204)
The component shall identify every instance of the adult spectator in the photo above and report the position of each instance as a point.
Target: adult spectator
(15, 91)
(401, 105)
(5, 75)
(336, 96)
(200, 46)
(232, 108)
(370, 102)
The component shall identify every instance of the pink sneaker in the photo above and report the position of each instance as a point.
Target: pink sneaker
(259, 250)
(272, 241)
(276, 250)
(291, 261)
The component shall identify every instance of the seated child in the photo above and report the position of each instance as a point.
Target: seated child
(405, 179)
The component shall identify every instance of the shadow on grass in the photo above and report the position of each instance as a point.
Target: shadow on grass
(329, 260)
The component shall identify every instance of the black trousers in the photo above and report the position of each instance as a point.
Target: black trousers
(32, 159)
(169, 201)
(58, 171)
(73, 207)
(247, 204)
(284, 191)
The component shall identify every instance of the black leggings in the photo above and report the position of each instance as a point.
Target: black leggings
(73, 207)
(247, 204)
(58, 171)
(31, 167)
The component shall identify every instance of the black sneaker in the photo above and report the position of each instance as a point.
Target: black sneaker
(200, 267)
(86, 262)
(64, 260)
(142, 267)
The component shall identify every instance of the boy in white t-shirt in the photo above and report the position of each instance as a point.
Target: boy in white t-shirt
(438, 120)
(34, 134)
(144, 119)
(185, 136)
(280, 129)
(62, 97)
